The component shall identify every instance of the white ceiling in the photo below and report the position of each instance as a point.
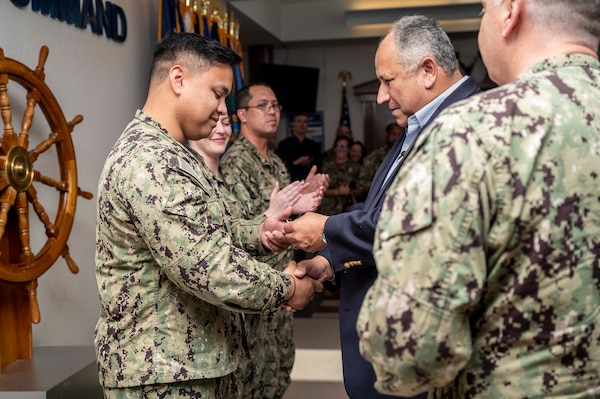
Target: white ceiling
(278, 22)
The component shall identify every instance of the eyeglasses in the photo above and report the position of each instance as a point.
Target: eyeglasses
(342, 146)
(266, 107)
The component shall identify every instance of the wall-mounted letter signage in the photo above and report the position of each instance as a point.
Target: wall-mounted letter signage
(107, 18)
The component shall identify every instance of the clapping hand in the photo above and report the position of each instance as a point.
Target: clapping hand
(312, 192)
(280, 200)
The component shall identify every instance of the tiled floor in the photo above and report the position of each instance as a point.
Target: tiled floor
(317, 372)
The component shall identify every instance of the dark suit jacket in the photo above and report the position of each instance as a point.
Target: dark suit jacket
(350, 237)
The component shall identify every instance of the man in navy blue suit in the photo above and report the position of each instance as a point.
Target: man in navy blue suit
(419, 77)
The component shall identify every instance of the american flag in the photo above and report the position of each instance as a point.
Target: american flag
(345, 112)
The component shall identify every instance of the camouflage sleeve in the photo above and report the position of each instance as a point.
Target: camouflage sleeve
(182, 220)
(246, 235)
(245, 227)
(413, 325)
(259, 189)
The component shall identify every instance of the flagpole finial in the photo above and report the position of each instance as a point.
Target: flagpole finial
(216, 15)
(345, 76)
(205, 5)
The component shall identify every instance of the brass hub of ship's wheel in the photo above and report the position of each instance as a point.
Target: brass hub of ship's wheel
(19, 168)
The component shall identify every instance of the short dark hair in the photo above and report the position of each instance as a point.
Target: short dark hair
(243, 97)
(362, 147)
(297, 114)
(195, 52)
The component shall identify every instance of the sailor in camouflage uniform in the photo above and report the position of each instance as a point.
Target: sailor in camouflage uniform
(488, 247)
(171, 277)
(255, 378)
(343, 174)
(250, 160)
(371, 163)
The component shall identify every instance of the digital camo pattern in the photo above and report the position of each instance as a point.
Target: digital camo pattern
(270, 339)
(258, 377)
(195, 389)
(267, 374)
(255, 172)
(338, 175)
(168, 274)
(488, 247)
(369, 167)
(245, 223)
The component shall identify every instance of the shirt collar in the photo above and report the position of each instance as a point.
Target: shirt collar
(422, 116)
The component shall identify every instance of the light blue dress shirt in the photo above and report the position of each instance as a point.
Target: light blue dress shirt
(416, 123)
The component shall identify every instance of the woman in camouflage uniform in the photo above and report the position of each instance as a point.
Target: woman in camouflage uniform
(343, 174)
(256, 378)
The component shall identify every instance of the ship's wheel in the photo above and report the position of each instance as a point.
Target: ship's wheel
(22, 208)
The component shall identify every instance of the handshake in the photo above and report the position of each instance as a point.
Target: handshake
(306, 233)
(308, 277)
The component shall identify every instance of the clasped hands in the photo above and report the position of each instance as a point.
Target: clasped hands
(308, 277)
(306, 233)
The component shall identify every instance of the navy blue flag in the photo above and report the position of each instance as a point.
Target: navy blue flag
(167, 18)
(345, 112)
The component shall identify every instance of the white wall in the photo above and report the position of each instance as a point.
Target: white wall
(104, 81)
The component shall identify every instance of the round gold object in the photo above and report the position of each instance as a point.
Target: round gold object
(19, 168)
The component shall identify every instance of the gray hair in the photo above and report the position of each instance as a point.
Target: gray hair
(417, 37)
(580, 19)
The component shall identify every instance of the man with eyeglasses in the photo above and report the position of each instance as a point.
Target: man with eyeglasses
(255, 164)
(299, 152)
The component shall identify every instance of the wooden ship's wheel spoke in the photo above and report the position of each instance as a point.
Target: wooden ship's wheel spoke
(25, 255)
(41, 212)
(48, 181)
(34, 307)
(44, 146)
(7, 200)
(9, 138)
(21, 207)
(3, 179)
(32, 99)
